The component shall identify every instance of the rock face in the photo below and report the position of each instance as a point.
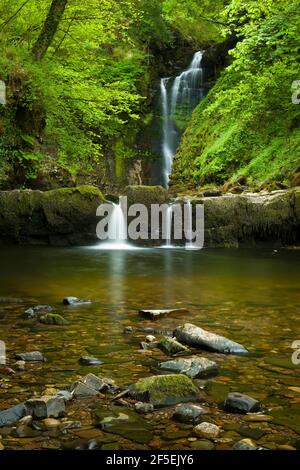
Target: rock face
(64, 216)
(193, 367)
(240, 403)
(171, 346)
(45, 407)
(157, 314)
(164, 390)
(197, 337)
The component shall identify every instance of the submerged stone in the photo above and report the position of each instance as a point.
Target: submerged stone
(33, 356)
(164, 390)
(75, 301)
(193, 367)
(90, 361)
(143, 408)
(195, 336)
(207, 430)
(240, 403)
(156, 314)
(12, 415)
(53, 319)
(33, 312)
(45, 407)
(172, 346)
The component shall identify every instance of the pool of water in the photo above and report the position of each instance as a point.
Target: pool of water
(250, 296)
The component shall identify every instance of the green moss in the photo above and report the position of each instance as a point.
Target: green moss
(146, 195)
(53, 319)
(165, 390)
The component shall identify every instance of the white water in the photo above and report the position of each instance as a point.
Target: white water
(169, 220)
(188, 216)
(185, 93)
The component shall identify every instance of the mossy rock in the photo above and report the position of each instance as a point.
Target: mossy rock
(53, 319)
(146, 195)
(165, 390)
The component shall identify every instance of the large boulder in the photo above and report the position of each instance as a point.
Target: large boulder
(12, 415)
(60, 216)
(146, 195)
(46, 407)
(164, 390)
(195, 336)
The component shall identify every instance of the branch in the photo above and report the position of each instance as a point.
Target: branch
(5, 23)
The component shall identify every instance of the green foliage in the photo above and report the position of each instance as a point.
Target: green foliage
(248, 125)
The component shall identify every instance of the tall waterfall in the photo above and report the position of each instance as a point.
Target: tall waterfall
(188, 216)
(179, 97)
(117, 231)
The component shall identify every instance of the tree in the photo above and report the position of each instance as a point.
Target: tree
(49, 29)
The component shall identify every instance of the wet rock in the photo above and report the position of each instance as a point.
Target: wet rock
(195, 336)
(34, 356)
(24, 431)
(27, 420)
(257, 418)
(240, 403)
(164, 390)
(207, 430)
(189, 413)
(75, 301)
(172, 346)
(202, 444)
(19, 366)
(144, 346)
(33, 312)
(53, 319)
(193, 367)
(12, 415)
(50, 423)
(150, 339)
(95, 382)
(45, 407)
(143, 408)
(67, 396)
(156, 314)
(245, 444)
(90, 385)
(90, 361)
(6, 371)
(70, 425)
(252, 433)
(80, 390)
(128, 330)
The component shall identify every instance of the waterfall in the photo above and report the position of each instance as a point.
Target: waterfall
(169, 220)
(188, 216)
(117, 231)
(181, 97)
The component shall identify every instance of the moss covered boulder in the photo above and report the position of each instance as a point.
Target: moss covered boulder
(164, 390)
(53, 319)
(146, 195)
(65, 216)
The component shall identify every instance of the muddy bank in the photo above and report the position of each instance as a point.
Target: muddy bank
(67, 216)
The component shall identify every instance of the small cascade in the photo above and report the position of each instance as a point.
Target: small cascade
(117, 231)
(169, 220)
(188, 216)
(179, 97)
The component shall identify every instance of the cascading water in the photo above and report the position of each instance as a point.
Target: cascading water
(169, 220)
(180, 98)
(117, 231)
(188, 216)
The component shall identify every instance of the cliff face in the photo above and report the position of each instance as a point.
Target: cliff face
(68, 216)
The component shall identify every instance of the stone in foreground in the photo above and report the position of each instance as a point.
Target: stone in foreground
(240, 403)
(12, 415)
(45, 407)
(189, 413)
(34, 356)
(156, 314)
(195, 336)
(53, 319)
(245, 444)
(172, 346)
(193, 367)
(207, 430)
(164, 390)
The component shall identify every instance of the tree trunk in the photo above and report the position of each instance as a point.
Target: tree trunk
(52, 21)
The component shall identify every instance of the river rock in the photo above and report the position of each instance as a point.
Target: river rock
(34, 356)
(50, 423)
(164, 390)
(24, 431)
(172, 346)
(193, 367)
(6, 371)
(19, 366)
(90, 361)
(239, 403)
(156, 314)
(95, 382)
(45, 407)
(88, 386)
(245, 444)
(33, 312)
(65, 394)
(53, 319)
(12, 415)
(143, 408)
(150, 339)
(75, 301)
(189, 413)
(207, 430)
(128, 330)
(144, 346)
(195, 336)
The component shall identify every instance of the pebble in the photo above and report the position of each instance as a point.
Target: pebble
(143, 408)
(202, 445)
(150, 338)
(19, 366)
(128, 330)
